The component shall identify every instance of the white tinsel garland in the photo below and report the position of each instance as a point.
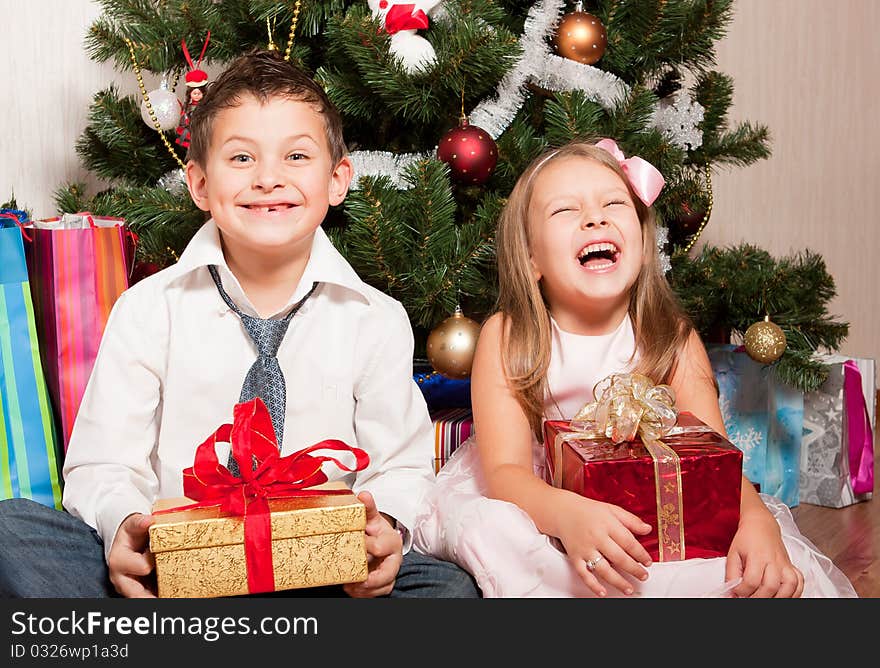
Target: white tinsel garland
(383, 163)
(662, 256)
(538, 65)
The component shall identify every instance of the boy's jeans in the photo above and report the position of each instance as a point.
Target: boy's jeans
(46, 553)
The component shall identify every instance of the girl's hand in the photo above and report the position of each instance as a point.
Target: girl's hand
(758, 555)
(593, 528)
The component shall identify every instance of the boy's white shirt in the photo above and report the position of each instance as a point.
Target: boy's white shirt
(170, 367)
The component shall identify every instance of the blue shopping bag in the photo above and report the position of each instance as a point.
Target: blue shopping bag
(29, 454)
(763, 417)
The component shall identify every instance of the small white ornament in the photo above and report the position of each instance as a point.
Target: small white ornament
(679, 119)
(663, 258)
(402, 20)
(173, 181)
(166, 108)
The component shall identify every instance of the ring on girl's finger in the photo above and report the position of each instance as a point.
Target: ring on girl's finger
(592, 563)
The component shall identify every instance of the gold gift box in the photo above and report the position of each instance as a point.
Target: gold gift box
(316, 541)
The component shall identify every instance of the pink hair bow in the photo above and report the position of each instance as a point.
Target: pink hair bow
(645, 179)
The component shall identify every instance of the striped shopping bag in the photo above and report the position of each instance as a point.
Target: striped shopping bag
(452, 427)
(29, 456)
(78, 265)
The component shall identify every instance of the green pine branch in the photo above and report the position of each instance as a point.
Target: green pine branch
(432, 244)
(647, 36)
(118, 145)
(745, 144)
(571, 115)
(729, 289)
(714, 92)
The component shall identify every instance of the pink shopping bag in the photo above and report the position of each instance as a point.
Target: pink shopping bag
(78, 264)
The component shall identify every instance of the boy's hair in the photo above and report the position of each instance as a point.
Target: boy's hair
(263, 74)
(660, 324)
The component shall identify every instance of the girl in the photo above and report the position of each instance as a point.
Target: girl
(582, 296)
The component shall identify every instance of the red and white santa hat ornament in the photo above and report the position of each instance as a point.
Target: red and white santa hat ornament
(195, 77)
(402, 20)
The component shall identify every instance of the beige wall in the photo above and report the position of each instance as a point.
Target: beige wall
(805, 68)
(48, 82)
(808, 69)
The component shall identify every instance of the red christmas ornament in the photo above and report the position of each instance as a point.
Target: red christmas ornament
(143, 269)
(686, 223)
(470, 153)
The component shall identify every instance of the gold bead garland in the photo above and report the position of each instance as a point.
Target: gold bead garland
(705, 220)
(422, 379)
(293, 23)
(137, 71)
(143, 89)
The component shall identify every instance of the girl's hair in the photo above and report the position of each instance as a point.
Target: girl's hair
(661, 326)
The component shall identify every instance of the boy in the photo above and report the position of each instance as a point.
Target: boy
(259, 280)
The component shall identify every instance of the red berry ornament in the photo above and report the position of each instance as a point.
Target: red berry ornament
(142, 270)
(470, 153)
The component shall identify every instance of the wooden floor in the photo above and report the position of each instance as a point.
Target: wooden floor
(850, 536)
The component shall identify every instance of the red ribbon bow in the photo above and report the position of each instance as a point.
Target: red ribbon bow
(21, 221)
(405, 17)
(274, 477)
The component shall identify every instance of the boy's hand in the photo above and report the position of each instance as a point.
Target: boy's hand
(130, 561)
(384, 554)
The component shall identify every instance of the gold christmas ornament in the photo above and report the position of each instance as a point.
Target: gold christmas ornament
(765, 341)
(580, 36)
(451, 346)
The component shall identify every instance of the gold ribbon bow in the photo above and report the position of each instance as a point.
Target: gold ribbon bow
(630, 406)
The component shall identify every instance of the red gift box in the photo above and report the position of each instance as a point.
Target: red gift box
(701, 493)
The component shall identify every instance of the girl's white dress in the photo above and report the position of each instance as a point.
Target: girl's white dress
(499, 544)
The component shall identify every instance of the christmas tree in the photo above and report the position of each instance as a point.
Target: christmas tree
(511, 77)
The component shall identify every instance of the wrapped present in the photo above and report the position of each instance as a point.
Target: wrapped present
(632, 448)
(279, 526)
(763, 417)
(452, 427)
(30, 453)
(837, 452)
(316, 540)
(79, 265)
(439, 391)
